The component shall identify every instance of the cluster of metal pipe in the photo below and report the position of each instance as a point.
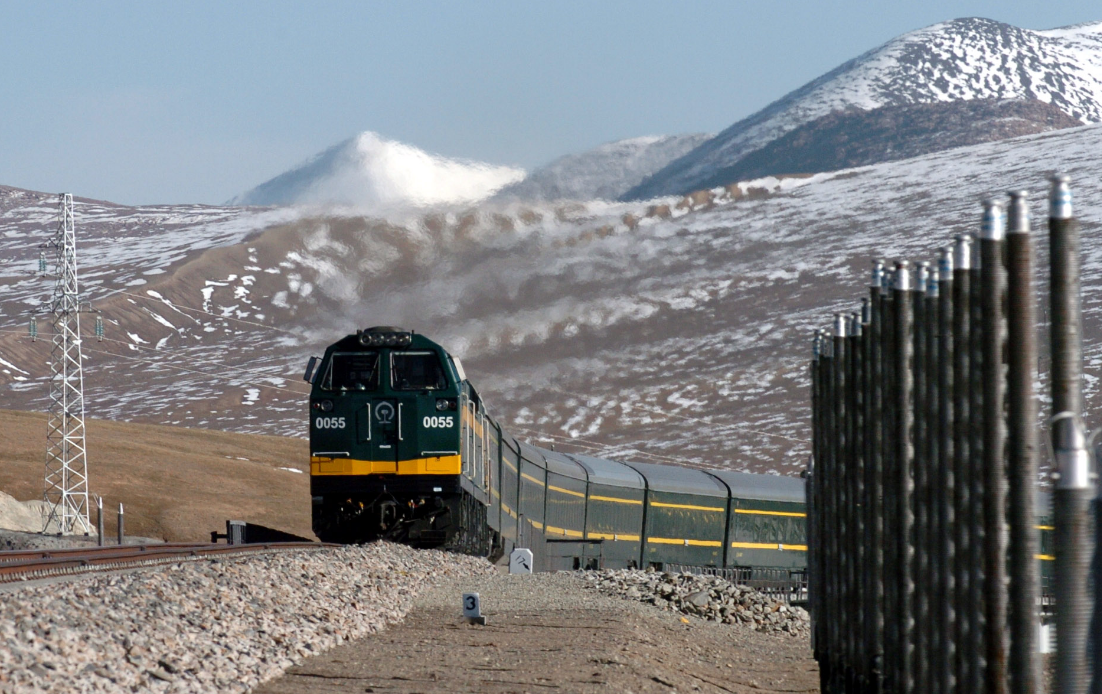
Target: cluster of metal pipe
(922, 490)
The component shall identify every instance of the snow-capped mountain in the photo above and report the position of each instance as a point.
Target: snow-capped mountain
(958, 60)
(370, 172)
(602, 173)
(673, 330)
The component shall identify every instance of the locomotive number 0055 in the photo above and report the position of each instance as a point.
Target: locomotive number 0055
(438, 422)
(329, 422)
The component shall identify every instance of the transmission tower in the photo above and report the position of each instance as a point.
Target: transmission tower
(66, 459)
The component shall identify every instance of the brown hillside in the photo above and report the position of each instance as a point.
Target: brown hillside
(177, 484)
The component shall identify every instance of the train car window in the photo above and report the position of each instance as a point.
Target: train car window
(416, 371)
(358, 371)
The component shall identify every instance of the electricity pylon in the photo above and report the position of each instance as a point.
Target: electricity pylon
(66, 458)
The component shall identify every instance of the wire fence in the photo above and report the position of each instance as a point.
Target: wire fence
(925, 557)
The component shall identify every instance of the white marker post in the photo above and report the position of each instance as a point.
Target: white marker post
(472, 609)
(520, 561)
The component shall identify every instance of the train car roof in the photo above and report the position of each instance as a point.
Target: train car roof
(563, 465)
(746, 485)
(532, 454)
(610, 472)
(680, 480)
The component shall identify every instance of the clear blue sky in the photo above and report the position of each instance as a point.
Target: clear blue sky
(158, 102)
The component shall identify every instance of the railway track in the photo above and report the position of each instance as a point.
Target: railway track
(25, 565)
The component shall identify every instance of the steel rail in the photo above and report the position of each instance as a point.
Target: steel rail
(22, 565)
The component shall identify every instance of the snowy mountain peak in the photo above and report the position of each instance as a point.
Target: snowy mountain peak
(369, 171)
(963, 59)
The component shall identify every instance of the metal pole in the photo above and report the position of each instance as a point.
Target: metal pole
(99, 521)
(874, 485)
(1022, 448)
(122, 534)
(903, 481)
(975, 650)
(1066, 328)
(945, 615)
(992, 247)
(1072, 514)
(962, 328)
(890, 518)
(856, 478)
(838, 501)
(1071, 496)
(812, 505)
(817, 543)
(918, 573)
(928, 579)
(845, 506)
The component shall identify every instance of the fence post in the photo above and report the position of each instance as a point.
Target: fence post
(1022, 447)
(945, 616)
(99, 521)
(918, 570)
(874, 485)
(993, 289)
(812, 504)
(1071, 496)
(962, 328)
(855, 489)
(928, 578)
(975, 650)
(903, 481)
(837, 486)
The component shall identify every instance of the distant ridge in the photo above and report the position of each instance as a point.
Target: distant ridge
(604, 172)
(845, 139)
(959, 60)
(368, 171)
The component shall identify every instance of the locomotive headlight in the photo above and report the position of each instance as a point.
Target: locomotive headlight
(444, 404)
(324, 405)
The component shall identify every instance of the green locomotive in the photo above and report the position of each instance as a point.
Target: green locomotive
(402, 448)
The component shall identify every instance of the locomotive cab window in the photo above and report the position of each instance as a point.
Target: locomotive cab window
(352, 372)
(416, 371)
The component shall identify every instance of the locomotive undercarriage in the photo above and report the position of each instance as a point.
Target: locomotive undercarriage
(454, 521)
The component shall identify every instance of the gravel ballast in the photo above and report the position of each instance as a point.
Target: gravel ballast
(208, 625)
(707, 597)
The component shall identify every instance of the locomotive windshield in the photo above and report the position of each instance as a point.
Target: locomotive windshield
(416, 371)
(352, 372)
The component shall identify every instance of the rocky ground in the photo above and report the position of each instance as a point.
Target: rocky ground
(707, 597)
(209, 625)
(549, 633)
(14, 539)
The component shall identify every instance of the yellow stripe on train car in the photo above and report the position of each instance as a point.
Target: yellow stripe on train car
(685, 542)
(440, 465)
(615, 499)
(563, 531)
(690, 507)
(770, 513)
(571, 492)
(615, 537)
(769, 545)
(528, 477)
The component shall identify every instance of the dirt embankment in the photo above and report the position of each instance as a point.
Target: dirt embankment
(550, 633)
(177, 484)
